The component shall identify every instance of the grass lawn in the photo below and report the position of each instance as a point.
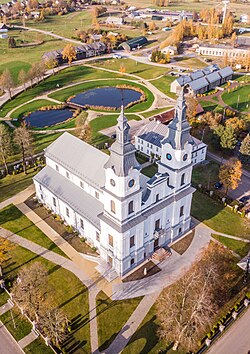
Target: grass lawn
(193, 63)
(68, 292)
(3, 297)
(43, 140)
(75, 73)
(238, 99)
(23, 326)
(63, 95)
(210, 106)
(13, 184)
(30, 107)
(132, 67)
(150, 171)
(240, 247)
(38, 347)
(111, 316)
(163, 84)
(155, 112)
(218, 217)
(12, 219)
(145, 339)
(206, 175)
(14, 67)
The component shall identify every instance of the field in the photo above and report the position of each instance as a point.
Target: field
(238, 99)
(240, 247)
(193, 63)
(163, 84)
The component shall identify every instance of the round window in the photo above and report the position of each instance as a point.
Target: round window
(112, 182)
(185, 157)
(169, 156)
(131, 183)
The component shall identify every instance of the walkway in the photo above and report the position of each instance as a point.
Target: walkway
(24, 342)
(8, 344)
(5, 308)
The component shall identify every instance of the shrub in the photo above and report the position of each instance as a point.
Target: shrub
(69, 229)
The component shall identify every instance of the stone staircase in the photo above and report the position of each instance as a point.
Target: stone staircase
(161, 254)
(106, 270)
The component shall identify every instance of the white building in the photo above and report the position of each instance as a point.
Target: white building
(171, 49)
(148, 140)
(123, 213)
(112, 20)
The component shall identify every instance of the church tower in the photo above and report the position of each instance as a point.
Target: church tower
(122, 170)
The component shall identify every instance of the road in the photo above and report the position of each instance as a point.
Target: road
(7, 344)
(244, 185)
(236, 340)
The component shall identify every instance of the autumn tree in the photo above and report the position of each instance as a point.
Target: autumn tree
(186, 308)
(51, 64)
(237, 124)
(230, 174)
(6, 81)
(30, 289)
(69, 53)
(233, 39)
(5, 247)
(152, 26)
(83, 129)
(122, 68)
(227, 136)
(22, 78)
(245, 149)
(24, 140)
(192, 105)
(6, 146)
(212, 119)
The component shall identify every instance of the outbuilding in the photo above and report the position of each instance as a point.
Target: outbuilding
(134, 43)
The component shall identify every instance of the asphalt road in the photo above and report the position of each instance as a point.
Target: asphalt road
(7, 343)
(236, 340)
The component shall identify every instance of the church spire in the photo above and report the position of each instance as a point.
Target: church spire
(179, 128)
(122, 151)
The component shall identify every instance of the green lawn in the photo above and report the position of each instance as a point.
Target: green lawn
(210, 106)
(218, 217)
(155, 112)
(111, 317)
(14, 67)
(68, 293)
(163, 84)
(238, 99)
(23, 326)
(63, 95)
(150, 171)
(206, 175)
(38, 347)
(240, 247)
(64, 77)
(30, 107)
(12, 219)
(43, 140)
(193, 63)
(132, 67)
(13, 184)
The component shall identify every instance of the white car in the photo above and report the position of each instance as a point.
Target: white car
(117, 56)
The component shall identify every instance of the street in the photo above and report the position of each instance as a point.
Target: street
(236, 340)
(7, 343)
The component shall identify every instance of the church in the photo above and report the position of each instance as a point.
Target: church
(106, 198)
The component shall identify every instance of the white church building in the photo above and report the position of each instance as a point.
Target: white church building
(123, 213)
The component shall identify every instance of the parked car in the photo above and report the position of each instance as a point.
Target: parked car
(117, 56)
(218, 185)
(244, 199)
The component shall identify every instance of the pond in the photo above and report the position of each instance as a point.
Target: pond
(41, 119)
(106, 97)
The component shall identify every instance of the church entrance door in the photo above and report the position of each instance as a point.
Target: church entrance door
(156, 244)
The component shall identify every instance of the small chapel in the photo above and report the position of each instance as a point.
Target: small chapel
(126, 215)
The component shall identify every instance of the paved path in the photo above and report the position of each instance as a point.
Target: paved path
(27, 339)
(8, 345)
(6, 307)
(132, 324)
(236, 340)
(172, 269)
(230, 236)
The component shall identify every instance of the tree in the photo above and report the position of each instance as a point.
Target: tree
(6, 146)
(212, 119)
(6, 81)
(233, 39)
(23, 139)
(53, 323)
(84, 131)
(230, 174)
(227, 136)
(122, 68)
(225, 60)
(22, 78)
(192, 105)
(245, 148)
(237, 124)
(30, 289)
(186, 308)
(11, 42)
(152, 26)
(51, 63)
(69, 53)
(5, 247)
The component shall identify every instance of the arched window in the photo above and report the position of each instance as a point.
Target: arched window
(112, 206)
(182, 179)
(131, 207)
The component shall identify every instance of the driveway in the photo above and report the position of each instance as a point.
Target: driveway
(7, 344)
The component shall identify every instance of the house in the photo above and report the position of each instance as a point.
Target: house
(148, 140)
(134, 43)
(106, 199)
(112, 20)
(202, 80)
(171, 49)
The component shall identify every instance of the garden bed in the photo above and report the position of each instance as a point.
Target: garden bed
(151, 267)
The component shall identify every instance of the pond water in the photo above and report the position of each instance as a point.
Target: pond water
(41, 119)
(106, 96)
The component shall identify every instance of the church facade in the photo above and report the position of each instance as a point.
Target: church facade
(107, 199)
